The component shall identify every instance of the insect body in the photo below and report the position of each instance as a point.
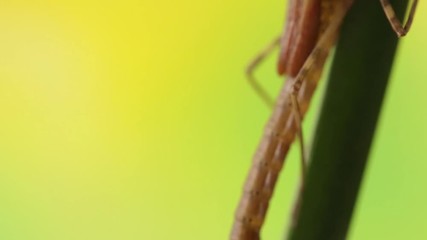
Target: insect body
(311, 29)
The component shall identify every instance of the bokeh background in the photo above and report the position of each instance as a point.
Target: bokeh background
(132, 120)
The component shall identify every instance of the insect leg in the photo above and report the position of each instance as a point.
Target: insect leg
(298, 121)
(311, 68)
(262, 93)
(313, 63)
(400, 29)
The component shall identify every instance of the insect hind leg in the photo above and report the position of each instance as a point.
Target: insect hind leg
(312, 66)
(400, 29)
(298, 122)
(261, 92)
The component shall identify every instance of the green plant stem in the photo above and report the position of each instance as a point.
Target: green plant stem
(355, 91)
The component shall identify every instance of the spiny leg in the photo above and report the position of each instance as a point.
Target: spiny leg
(400, 29)
(262, 93)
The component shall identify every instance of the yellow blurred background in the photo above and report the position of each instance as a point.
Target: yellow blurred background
(132, 120)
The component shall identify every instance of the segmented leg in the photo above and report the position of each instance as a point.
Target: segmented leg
(400, 29)
(315, 60)
(298, 121)
(262, 93)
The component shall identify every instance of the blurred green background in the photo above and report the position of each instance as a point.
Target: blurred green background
(132, 120)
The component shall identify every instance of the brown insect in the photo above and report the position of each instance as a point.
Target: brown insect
(310, 32)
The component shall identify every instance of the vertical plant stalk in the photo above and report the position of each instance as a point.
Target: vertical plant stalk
(354, 94)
